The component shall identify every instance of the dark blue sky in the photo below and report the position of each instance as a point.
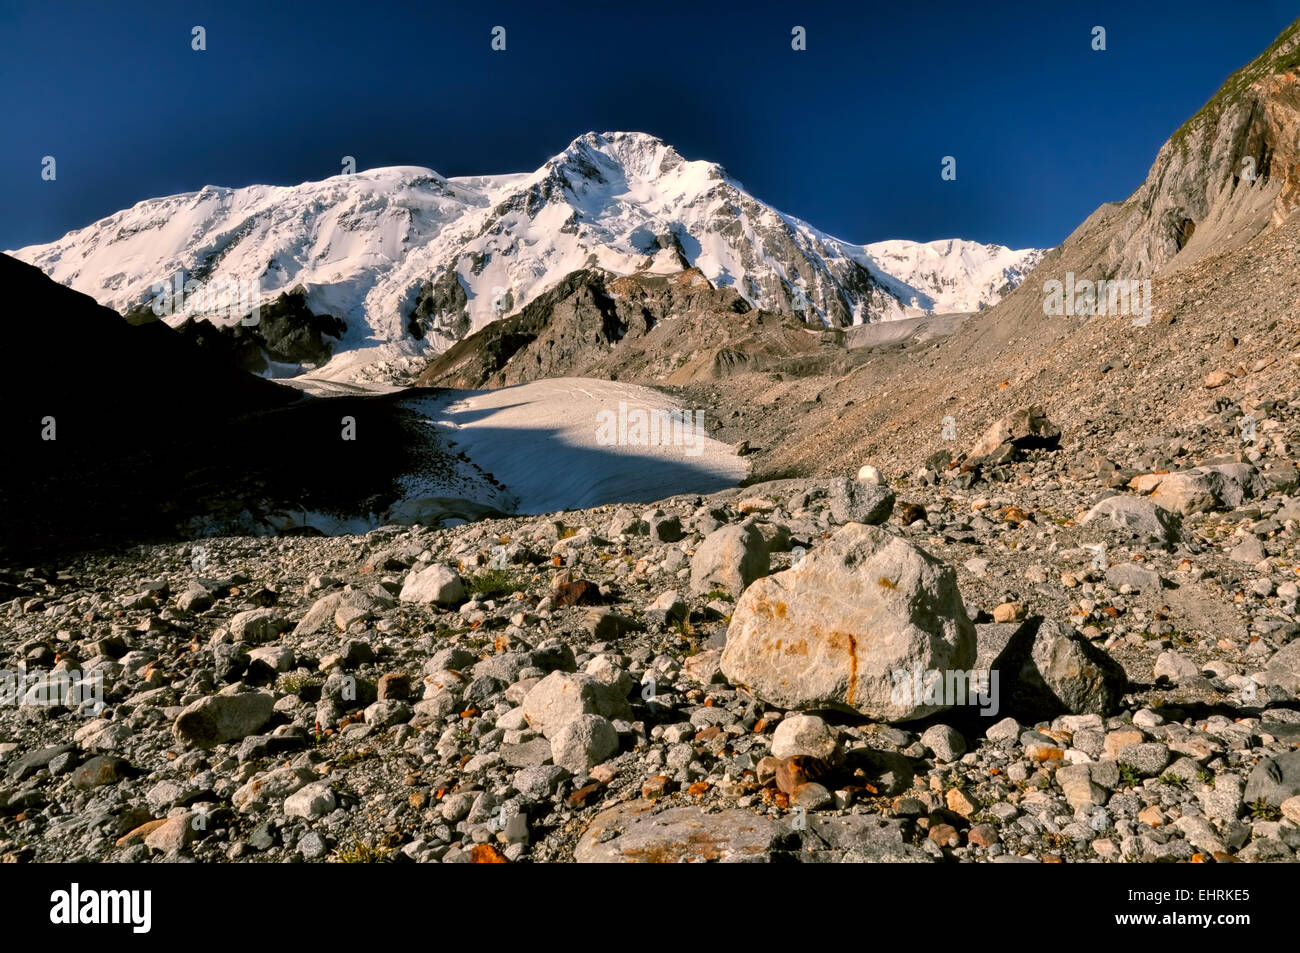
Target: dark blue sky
(847, 135)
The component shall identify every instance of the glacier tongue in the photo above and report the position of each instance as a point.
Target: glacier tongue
(542, 442)
(414, 261)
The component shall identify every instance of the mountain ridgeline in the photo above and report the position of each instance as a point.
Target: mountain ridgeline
(413, 262)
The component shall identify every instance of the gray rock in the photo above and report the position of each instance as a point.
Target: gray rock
(1025, 429)
(355, 606)
(1006, 730)
(194, 598)
(1137, 517)
(387, 712)
(312, 846)
(271, 787)
(1175, 667)
(703, 668)
(1046, 670)
(1223, 802)
(1284, 668)
(605, 624)
(217, 719)
(562, 697)
(1249, 551)
(729, 559)
(664, 528)
(811, 796)
(1147, 758)
(173, 835)
(229, 662)
(1200, 833)
(310, 800)
(102, 735)
(861, 838)
(526, 754)
(98, 771)
(581, 744)
(852, 501)
(272, 659)
(1201, 489)
(164, 795)
(257, 626)
(1135, 575)
(805, 735)
(945, 742)
(634, 833)
(1274, 780)
(320, 617)
(540, 781)
(1080, 790)
(669, 607)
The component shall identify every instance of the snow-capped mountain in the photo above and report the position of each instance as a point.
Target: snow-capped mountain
(414, 261)
(955, 275)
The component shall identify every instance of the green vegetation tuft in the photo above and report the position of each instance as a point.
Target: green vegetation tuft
(362, 854)
(1272, 61)
(494, 583)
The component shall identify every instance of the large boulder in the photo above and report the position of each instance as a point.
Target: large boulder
(218, 719)
(848, 626)
(1044, 669)
(729, 559)
(1137, 517)
(1201, 489)
(1026, 429)
(859, 501)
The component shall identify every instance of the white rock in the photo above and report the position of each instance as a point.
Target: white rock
(437, 584)
(312, 800)
(805, 735)
(869, 474)
(581, 744)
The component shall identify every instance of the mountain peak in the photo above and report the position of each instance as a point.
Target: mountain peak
(633, 156)
(413, 262)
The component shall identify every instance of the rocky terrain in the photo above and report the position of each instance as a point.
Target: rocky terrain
(711, 678)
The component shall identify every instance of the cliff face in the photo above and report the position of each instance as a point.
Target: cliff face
(1228, 173)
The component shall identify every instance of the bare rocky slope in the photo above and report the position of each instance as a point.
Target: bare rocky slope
(663, 329)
